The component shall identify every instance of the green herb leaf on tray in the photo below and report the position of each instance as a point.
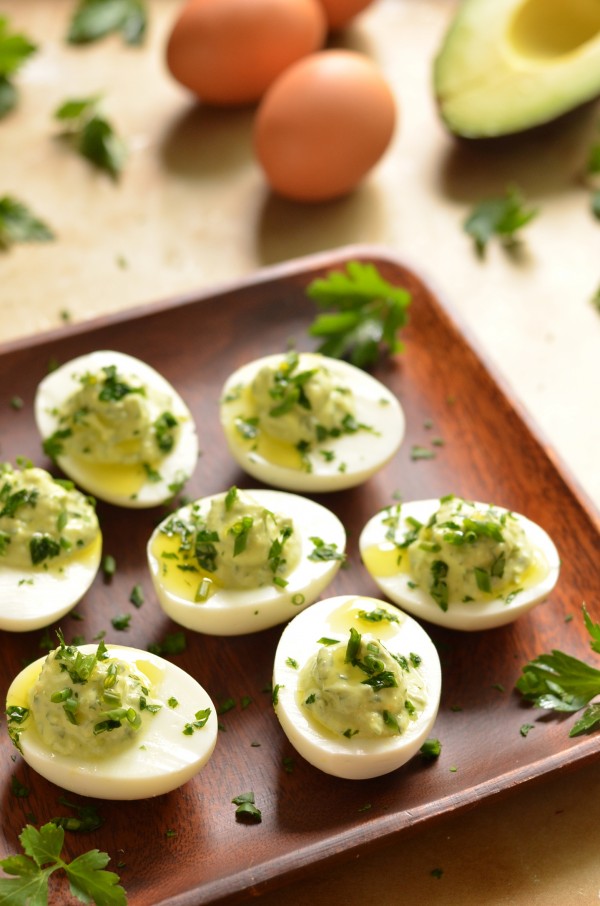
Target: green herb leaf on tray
(19, 224)
(501, 217)
(364, 315)
(246, 809)
(88, 881)
(563, 683)
(15, 49)
(94, 19)
(91, 134)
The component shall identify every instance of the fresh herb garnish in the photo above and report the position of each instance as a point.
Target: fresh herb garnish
(563, 683)
(502, 217)
(246, 809)
(87, 818)
(19, 224)
(91, 134)
(137, 596)
(14, 51)
(94, 19)
(121, 622)
(200, 720)
(365, 313)
(323, 551)
(88, 880)
(431, 749)
(172, 643)
(109, 566)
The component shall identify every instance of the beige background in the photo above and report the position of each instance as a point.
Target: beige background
(192, 211)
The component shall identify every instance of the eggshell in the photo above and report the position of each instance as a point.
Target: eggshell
(323, 124)
(229, 51)
(340, 12)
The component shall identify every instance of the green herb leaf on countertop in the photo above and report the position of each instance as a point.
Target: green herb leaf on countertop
(19, 224)
(365, 314)
(94, 19)
(91, 134)
(246, 809)
(502, 217)
(88, 881)
(563, 683)
(14, 51)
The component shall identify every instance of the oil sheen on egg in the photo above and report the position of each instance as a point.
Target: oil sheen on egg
(231, 568)
(326, 432)
(139, 726)
(117, 428)
(229, 51)
(50, 547)
(461, 564)
(357, 686)
(323, 125)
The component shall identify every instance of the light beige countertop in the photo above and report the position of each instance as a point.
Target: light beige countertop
(192, 211)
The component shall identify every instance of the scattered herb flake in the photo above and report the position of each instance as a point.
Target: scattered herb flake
(91, 134)
(246, 809)
(502, 217)
(19, 224)
(94, 19)
(137, 596)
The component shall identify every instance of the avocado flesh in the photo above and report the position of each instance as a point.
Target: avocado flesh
(508, 65)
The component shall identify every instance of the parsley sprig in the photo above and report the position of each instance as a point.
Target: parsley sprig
(19, 224)
(91, 134)
(561, 682)
(94, 19)
(88, 880)
(364, 315)
(14, 51)
(503, 217)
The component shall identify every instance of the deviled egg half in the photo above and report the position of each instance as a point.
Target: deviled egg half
(306, 422)
(461, 564)
(50, 547)
(356, 686)
(241, 561)
(110, 722)
(117, 428)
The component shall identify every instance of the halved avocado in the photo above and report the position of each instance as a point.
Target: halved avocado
(508, 65)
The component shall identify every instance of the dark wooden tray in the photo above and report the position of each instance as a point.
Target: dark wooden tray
(490, 452)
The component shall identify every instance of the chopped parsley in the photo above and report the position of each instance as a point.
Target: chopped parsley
(246, 809)
(19, 224)
(502, 217)
(91, 134)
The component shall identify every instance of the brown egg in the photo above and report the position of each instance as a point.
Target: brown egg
(229, 51)
(339, 12)
(323, 124)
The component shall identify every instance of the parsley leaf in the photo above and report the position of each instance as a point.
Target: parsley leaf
(88, 881)
(563, 683)
(19, 224)
(94, 19)
(365, 314)
(91, 134)
(502, 217)
(246, 809)
(14, 51)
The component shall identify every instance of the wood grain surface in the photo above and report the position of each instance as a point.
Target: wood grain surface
(490, 452)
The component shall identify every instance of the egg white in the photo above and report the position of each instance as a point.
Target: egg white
(238, 611)
(353, 758)
(160, 759)
(466, 616)
(34, 598)
(122, 485)
(356, 456)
